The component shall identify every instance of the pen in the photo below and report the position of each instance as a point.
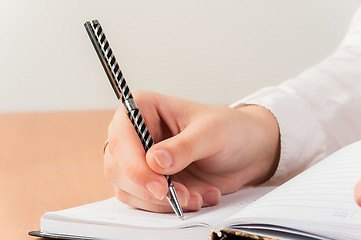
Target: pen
(123, 92)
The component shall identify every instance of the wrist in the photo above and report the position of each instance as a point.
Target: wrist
(267, 135)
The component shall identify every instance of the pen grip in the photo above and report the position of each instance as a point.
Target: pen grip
(141, 129)
(122, 92)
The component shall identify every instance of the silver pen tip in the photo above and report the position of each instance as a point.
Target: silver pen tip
(174, 202)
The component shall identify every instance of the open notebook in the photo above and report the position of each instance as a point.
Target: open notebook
(318, 203)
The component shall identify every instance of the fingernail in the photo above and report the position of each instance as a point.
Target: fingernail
(156, 189)
(211, 198)
(163, 158)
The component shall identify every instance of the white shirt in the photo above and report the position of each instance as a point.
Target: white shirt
(319, 111)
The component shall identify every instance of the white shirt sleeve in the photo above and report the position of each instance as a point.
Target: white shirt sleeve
(319, 111)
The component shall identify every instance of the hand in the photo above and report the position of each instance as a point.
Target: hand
(358, 193)
(207, 150)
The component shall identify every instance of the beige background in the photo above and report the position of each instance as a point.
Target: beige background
(49, 162)
(213, 51)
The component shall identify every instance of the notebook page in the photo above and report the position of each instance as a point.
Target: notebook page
(319, 200)
(113, 212)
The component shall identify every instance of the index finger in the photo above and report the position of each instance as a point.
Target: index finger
(131, 172)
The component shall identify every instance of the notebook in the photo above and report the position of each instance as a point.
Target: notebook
(317, 204)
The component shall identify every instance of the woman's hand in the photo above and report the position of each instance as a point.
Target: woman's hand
(207, 150)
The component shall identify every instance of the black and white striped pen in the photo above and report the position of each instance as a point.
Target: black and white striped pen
(122, 92)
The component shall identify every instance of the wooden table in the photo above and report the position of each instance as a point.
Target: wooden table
(48, 162)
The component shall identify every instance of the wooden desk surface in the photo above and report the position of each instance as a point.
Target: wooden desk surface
(48, 162)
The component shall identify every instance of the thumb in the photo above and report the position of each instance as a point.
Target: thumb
(174, 154)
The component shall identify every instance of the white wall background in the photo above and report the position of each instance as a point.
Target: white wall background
(213, 51)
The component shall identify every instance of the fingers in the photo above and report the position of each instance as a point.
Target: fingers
(134, 188)
(194, 204)
(132, 174)
(210, 196)
(198, 197)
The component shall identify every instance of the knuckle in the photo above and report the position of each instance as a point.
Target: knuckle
(143, 97)
(140, 94)
(134, 173)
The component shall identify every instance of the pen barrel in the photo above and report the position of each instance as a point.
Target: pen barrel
(108, 60)
(117, 81)
(141, 129)
(122, 92)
